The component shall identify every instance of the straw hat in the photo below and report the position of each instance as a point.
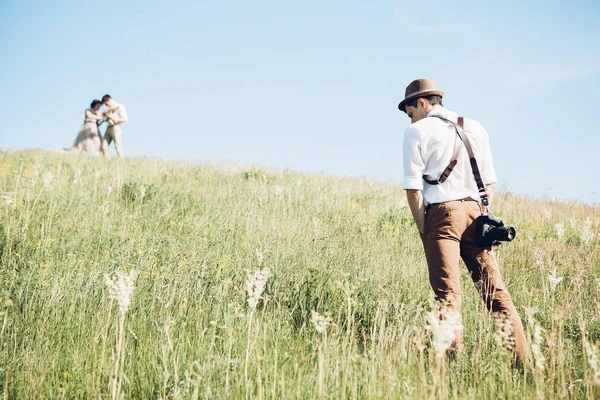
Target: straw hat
(419, 88)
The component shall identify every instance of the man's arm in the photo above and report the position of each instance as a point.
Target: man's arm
(413, 176)
(415, 202)
(122, 114)
(119, 115)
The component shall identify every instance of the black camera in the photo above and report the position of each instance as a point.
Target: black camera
(491, 231)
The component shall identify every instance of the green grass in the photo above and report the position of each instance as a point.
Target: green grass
(346, 248)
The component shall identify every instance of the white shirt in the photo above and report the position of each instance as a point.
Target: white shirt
(428, 148)
(119, 113)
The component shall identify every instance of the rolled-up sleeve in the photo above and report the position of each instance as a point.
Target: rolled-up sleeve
(123, 117)
(488, 172)
(412, 160)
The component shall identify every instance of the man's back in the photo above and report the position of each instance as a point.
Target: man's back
(428, 147)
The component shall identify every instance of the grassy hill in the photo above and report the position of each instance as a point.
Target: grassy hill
(345, 248)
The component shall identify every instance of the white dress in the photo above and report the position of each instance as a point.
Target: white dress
(88, 139)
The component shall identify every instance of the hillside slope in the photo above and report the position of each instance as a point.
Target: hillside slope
(345, 248)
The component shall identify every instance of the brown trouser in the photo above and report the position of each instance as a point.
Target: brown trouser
(112, 133)
(450, 233)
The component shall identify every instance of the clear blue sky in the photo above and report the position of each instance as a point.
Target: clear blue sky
(311, 85)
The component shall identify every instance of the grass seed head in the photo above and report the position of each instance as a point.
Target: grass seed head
(560, 231)
(586, 234)
(537, 339)
(504, 332)
(593, 361)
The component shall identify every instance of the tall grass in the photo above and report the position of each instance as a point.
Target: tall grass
(342, 250)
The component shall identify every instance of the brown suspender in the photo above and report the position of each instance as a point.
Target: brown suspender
(459, 127)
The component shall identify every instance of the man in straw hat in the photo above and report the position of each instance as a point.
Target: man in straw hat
(445, 202)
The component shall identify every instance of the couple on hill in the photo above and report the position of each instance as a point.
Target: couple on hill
(89, 140)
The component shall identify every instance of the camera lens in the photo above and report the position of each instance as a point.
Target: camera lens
(494, 234)
(510, 233)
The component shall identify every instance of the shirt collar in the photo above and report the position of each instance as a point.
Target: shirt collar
(438, 111)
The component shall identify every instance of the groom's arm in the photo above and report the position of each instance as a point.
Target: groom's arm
(122, 115)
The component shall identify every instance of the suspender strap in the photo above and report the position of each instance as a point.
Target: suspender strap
(459, 127)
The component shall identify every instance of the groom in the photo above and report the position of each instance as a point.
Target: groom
(115, 115)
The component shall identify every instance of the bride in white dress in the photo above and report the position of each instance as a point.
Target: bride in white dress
(88, 140)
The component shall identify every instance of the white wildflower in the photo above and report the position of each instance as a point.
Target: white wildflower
(320, 322)
(109, 190)
(547, 215)
(120, 287)
(554, 279)
(299, 182)
(560, 231)
(536, 347)
(536, 339)
(443, 327)
(504, 332)
(255, 285)
(594, 362)
(573, 223)
(278, 190)
(47, 178)
(7, 198)
(586, 234)
(233, 363)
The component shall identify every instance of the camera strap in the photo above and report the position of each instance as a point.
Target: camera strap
(453, 161)
(459, 128)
